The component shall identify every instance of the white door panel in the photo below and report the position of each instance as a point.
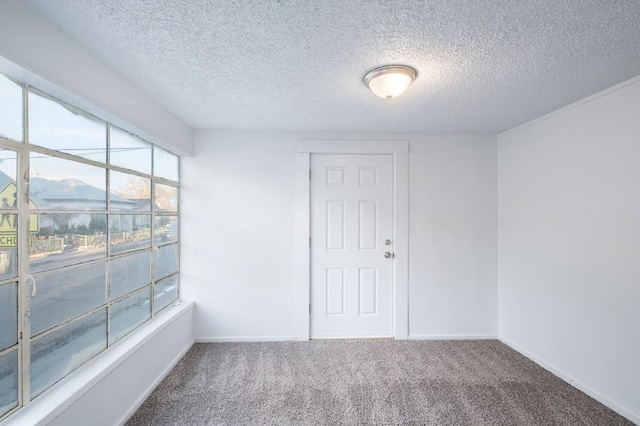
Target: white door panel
(351, 217)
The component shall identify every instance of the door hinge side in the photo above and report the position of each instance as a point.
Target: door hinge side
(309, 241)
(309, 307)
(309, 174)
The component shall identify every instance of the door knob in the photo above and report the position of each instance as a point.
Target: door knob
(388, 254)
(387, 242)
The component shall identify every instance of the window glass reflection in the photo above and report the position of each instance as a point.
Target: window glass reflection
(10, 109)
(57, 125)
(165, 164)
(8, 218)
(166, 229)
(129, 232)
(59, 184)
(166, 262)
(130, 192)
(60, 352)
(129, 151)
(166, 198)
(8, 381)
(64, 294)
(63, 239)
(129, 313)
(8, 315)
(165, 292)
(129, 273)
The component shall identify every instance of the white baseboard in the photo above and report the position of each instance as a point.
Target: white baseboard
(221, 339)
(352, 337)
(453, 337)
(153, 385)
(573, 382)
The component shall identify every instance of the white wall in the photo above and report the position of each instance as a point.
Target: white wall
(569, 244)
(33, 52)
(238, 234)
(453, 229)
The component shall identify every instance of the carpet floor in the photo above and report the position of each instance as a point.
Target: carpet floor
(365, 382)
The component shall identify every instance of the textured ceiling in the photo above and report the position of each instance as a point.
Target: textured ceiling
(484, 66)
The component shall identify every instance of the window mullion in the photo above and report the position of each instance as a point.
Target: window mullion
(24, 309)
(108, 238)
(154, 247)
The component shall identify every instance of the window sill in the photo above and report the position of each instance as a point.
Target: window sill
(62, 395)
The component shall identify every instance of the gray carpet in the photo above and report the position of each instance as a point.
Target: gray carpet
(366, 382)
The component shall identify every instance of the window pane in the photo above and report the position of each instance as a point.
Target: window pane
(166, 198)
(58, 184)
(129, 273)
(129, 313)
(166, 261)
(10, 109)
(8, 172)
(129, 232)
(63, 239)
(64, 294)
(8, 381)
(8, 315)
(166, 229)
(59, 353)
(130, 192)
(130, 151)
(8, 256)
(165, 164)
(164, 293)
(57, 125)
(8, 204)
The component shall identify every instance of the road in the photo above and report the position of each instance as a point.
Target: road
(61, 295)
(59, 260)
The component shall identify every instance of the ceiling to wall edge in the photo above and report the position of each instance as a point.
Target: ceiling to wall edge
(303, 135)
(23, 74)
(590, 98)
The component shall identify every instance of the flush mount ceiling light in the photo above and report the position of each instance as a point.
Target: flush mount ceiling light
(390, 81)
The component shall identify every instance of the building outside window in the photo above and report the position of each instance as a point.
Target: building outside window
(89, 238)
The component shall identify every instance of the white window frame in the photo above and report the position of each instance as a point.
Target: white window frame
(23, 150)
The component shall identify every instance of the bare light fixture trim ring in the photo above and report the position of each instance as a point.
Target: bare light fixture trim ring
(389, 81)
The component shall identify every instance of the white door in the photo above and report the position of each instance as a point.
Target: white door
(351, 232)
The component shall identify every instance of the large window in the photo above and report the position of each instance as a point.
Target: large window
(90, 251)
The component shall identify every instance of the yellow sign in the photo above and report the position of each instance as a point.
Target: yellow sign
(8, 221)
(8, 239)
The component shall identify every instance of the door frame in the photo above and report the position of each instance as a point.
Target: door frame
(399, 149)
